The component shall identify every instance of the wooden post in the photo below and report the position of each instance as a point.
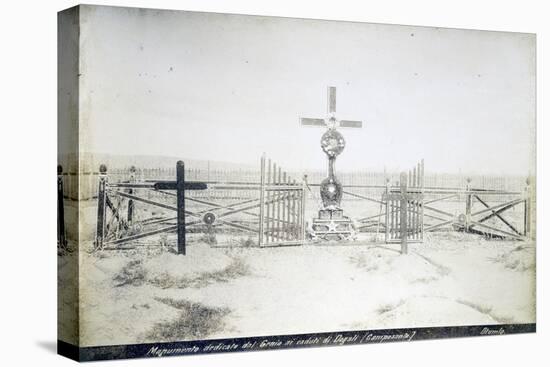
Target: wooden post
(527, 210)
(279, 197)
(180, 198)
(273, 198)
(468, 205)
(61, 235)
(101, 206)
(414, 205)
(131, 191)
(294, 227)
(410, 219)
(421, 183)
(388, 223)
(262, 200)
(288, 210)
(404, 211)
(284, 210)
(303, 209)
(267, 214)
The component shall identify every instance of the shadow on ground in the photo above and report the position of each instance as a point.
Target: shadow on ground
(48, 345)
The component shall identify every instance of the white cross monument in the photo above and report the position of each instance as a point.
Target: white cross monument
(331, 223)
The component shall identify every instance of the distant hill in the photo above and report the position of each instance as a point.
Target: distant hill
(147, 161)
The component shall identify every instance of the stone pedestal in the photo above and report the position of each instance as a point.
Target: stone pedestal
(331, 224)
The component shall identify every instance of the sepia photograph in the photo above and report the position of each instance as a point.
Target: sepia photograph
(252, 182)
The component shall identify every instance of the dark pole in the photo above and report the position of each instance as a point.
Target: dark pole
(101, 197)
(180, 187)
(389, 208)
(131, 191)
(527, 209)
(468, 205)
(62, 241)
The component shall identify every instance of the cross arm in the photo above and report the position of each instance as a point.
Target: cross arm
(351, 123)
(304, 121)
(172, 185)
(331, 97)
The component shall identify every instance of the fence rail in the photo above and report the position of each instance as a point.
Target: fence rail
(475, 204)
(370, 183)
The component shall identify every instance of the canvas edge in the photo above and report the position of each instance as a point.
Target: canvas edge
(278, 342)
(68, 51)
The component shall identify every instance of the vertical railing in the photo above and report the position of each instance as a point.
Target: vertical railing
(527, 209)
(415, 202)
(268, 217)
(303, 209)
(293, 208)
(282, 205)
(61, 233)
(404, 213)
(101, 206)
(404, 216)
(422, 185)
(272, 203)
(469, 202)
(180, 198)
(131, 191)
(415, 191)
(387, 217)
(262, 200)
(278, 196)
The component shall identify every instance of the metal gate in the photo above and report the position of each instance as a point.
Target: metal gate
(282, 209)
(405, 208)
(119, 228)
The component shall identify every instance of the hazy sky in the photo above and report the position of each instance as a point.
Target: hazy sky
(219, 87)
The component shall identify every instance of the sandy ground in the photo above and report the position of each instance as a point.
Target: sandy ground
(155, 295)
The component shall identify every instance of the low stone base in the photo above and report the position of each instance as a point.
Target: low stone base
(331, 214)
(332, 225)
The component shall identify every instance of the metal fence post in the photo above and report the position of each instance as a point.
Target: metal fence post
(421, 179)
(388, 210)
(303, 208)
(61, 235)
(468, 220)
(180, 187)
(101, 205)
(131, 191)
(527, 209)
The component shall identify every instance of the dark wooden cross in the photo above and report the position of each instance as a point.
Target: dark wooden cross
(180, 186)
(330, 121)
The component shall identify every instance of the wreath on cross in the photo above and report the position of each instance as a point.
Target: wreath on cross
(332, 142)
